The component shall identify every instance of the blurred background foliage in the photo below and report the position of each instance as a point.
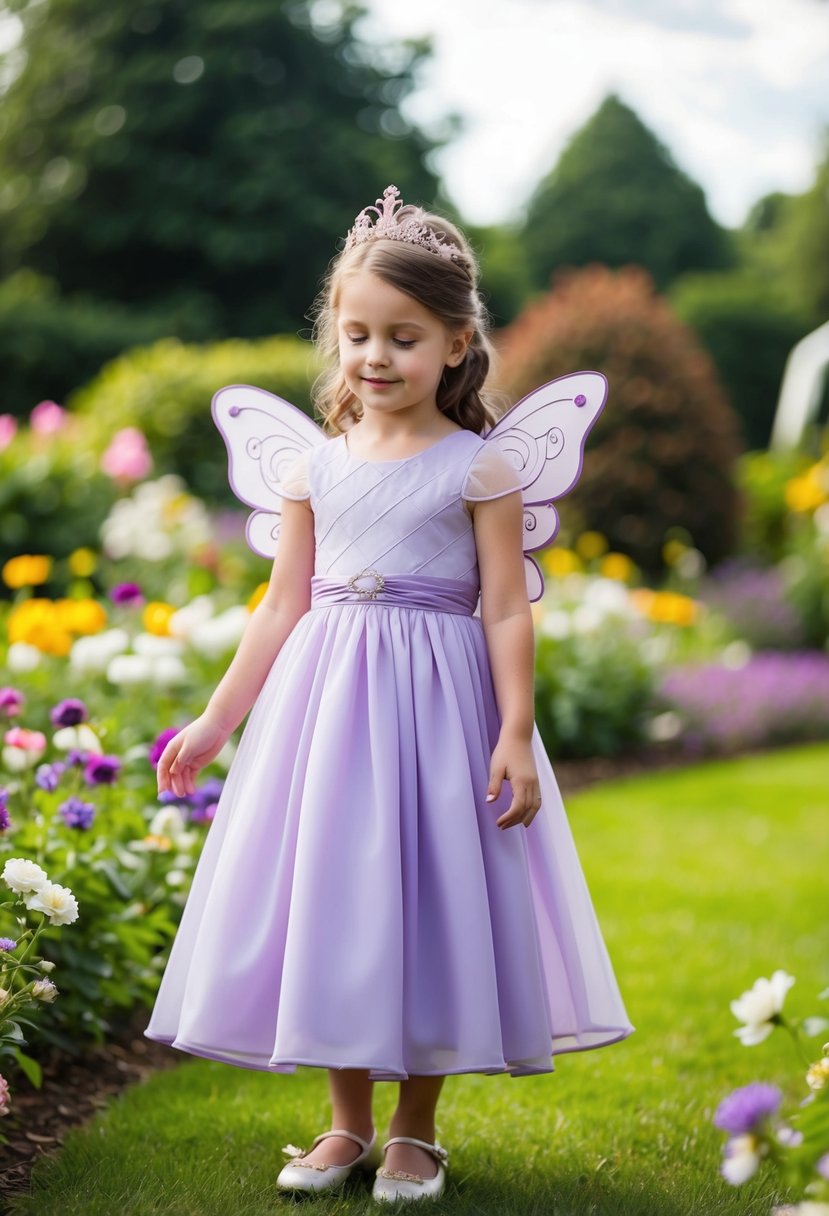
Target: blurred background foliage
(175, 178)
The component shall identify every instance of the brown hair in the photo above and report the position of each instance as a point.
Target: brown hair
(447, 288)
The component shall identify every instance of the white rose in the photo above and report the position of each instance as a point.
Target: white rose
(23, 657)
(23, 875)
(57, 902)
(44, 990)
(759, 1006)
(741, 1160)
(81, 738)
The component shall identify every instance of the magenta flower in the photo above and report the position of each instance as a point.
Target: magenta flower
(127, 458)
(744, 1110)
(77, 813)
(5, 821)
(161, 742)
(12, 701)
(47, 418)
(101, 770)
(126, 593)
(8, 429)
(69, 713)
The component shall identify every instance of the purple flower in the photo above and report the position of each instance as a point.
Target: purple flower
(169, 797)
(161, 742)
(205, 799)
(822, 1166)
(5, 821)
(205, 813)
(745, 1109)
(77, 813)
(101, 770)
(8, 943)
(47, 776)
(76, 758)
(69, 713)
(126, 593)
(11, 701)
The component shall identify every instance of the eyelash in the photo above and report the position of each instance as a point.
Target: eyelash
(403, 343)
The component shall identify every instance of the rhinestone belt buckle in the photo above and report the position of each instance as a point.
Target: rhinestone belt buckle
(367, 593)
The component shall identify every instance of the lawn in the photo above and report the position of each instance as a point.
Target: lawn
(703, 879)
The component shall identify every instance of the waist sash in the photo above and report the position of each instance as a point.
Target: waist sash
(400, 590)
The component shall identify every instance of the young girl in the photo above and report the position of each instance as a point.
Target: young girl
(389, 888)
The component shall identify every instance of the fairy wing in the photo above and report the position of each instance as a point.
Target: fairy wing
(264, 435)
(543, 437)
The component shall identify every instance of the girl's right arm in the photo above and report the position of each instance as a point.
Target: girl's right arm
(287, 598)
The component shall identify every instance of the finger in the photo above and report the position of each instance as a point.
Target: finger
(496, 780)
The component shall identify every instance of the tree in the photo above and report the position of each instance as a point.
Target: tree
(207, 154)
(617, 197)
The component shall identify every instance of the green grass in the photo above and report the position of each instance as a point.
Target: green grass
(703, 880)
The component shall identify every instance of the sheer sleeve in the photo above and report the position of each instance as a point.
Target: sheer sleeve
(489, 476)
(295, 484)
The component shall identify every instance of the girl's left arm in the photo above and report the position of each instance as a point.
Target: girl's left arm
(508, 628)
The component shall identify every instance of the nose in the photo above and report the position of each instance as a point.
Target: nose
(376, 355)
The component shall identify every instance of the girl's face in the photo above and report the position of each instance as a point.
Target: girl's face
(392, 349)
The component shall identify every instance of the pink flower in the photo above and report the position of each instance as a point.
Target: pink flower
(12, 701)
(47, 418)
(127, 458)
(5, 1096)
(8, 430)
(26, 740)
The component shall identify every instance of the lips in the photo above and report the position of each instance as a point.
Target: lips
(375, 380)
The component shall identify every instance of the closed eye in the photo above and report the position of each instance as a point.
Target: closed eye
(405, 343)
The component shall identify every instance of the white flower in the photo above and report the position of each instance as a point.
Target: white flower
(225, 757)
(80, 738)
(44, 990)
(586, 619)
(129, 669)
(175, 877)
(665, 726)
(16, 759)
(94, 653)
(22, 657)
(741, 1160)
(608, 595)
(150, 646)
(187, 618)
(215, 637)
(169, 821)
(759, 1006)
(57, 902)
(735, 655)
(556, 624)
(168, 671)
(23, 875)
(690, 563)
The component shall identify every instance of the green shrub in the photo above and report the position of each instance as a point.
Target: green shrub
(165, 390)
(661, 455)
(748, 334)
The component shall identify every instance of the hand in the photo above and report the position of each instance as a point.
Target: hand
(513, 759)
(187, 752)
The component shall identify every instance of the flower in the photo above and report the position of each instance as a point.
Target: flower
(23, 748)
(746, 1109)
(5, 1096)
(44, 990)
(126, 593)
(69, 713)
(57, 902)
(23, 875)
(27, 570)
(760, 1007)
(818, 1075)
(7, 944)
(82, 562)
(76, 739)
(741, 1160)
(8, 430)
(77, 813)
(5, 821)
(161, 742)
(257, 597)
(127, 458)
(48, 776)
(12, 702)
(47, 418)
(157, 616)
(101, 770)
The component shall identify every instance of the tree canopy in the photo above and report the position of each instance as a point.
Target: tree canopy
(617, 197)
(203, 158)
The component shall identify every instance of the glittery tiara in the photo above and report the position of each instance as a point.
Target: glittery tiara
(398, 222)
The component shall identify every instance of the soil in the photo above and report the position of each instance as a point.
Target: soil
(75, 1087)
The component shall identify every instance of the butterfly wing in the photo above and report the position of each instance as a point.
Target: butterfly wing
(264, 435)
(543, 437)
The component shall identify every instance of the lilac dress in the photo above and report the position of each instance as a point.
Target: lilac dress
(354, 905)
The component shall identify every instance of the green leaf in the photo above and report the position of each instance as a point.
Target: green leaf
(31, 1067)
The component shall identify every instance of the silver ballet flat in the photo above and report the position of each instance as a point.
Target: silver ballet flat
(302, 1175)
(391, 1185)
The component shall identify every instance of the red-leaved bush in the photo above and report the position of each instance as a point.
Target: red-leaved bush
(661, 455)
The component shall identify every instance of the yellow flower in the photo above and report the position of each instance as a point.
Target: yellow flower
(642, 599)
(82, 562)
(617, 566)
(818, 1074)
(81, 616)
(590, 545)
(28, 570)
(806, 493)
(561, 562)
(157, 844)
(672, 551)
(156, 617)
(257, 596)
(670, 608)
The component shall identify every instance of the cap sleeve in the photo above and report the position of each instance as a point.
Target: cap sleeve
(295, 484)
(491, 475)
